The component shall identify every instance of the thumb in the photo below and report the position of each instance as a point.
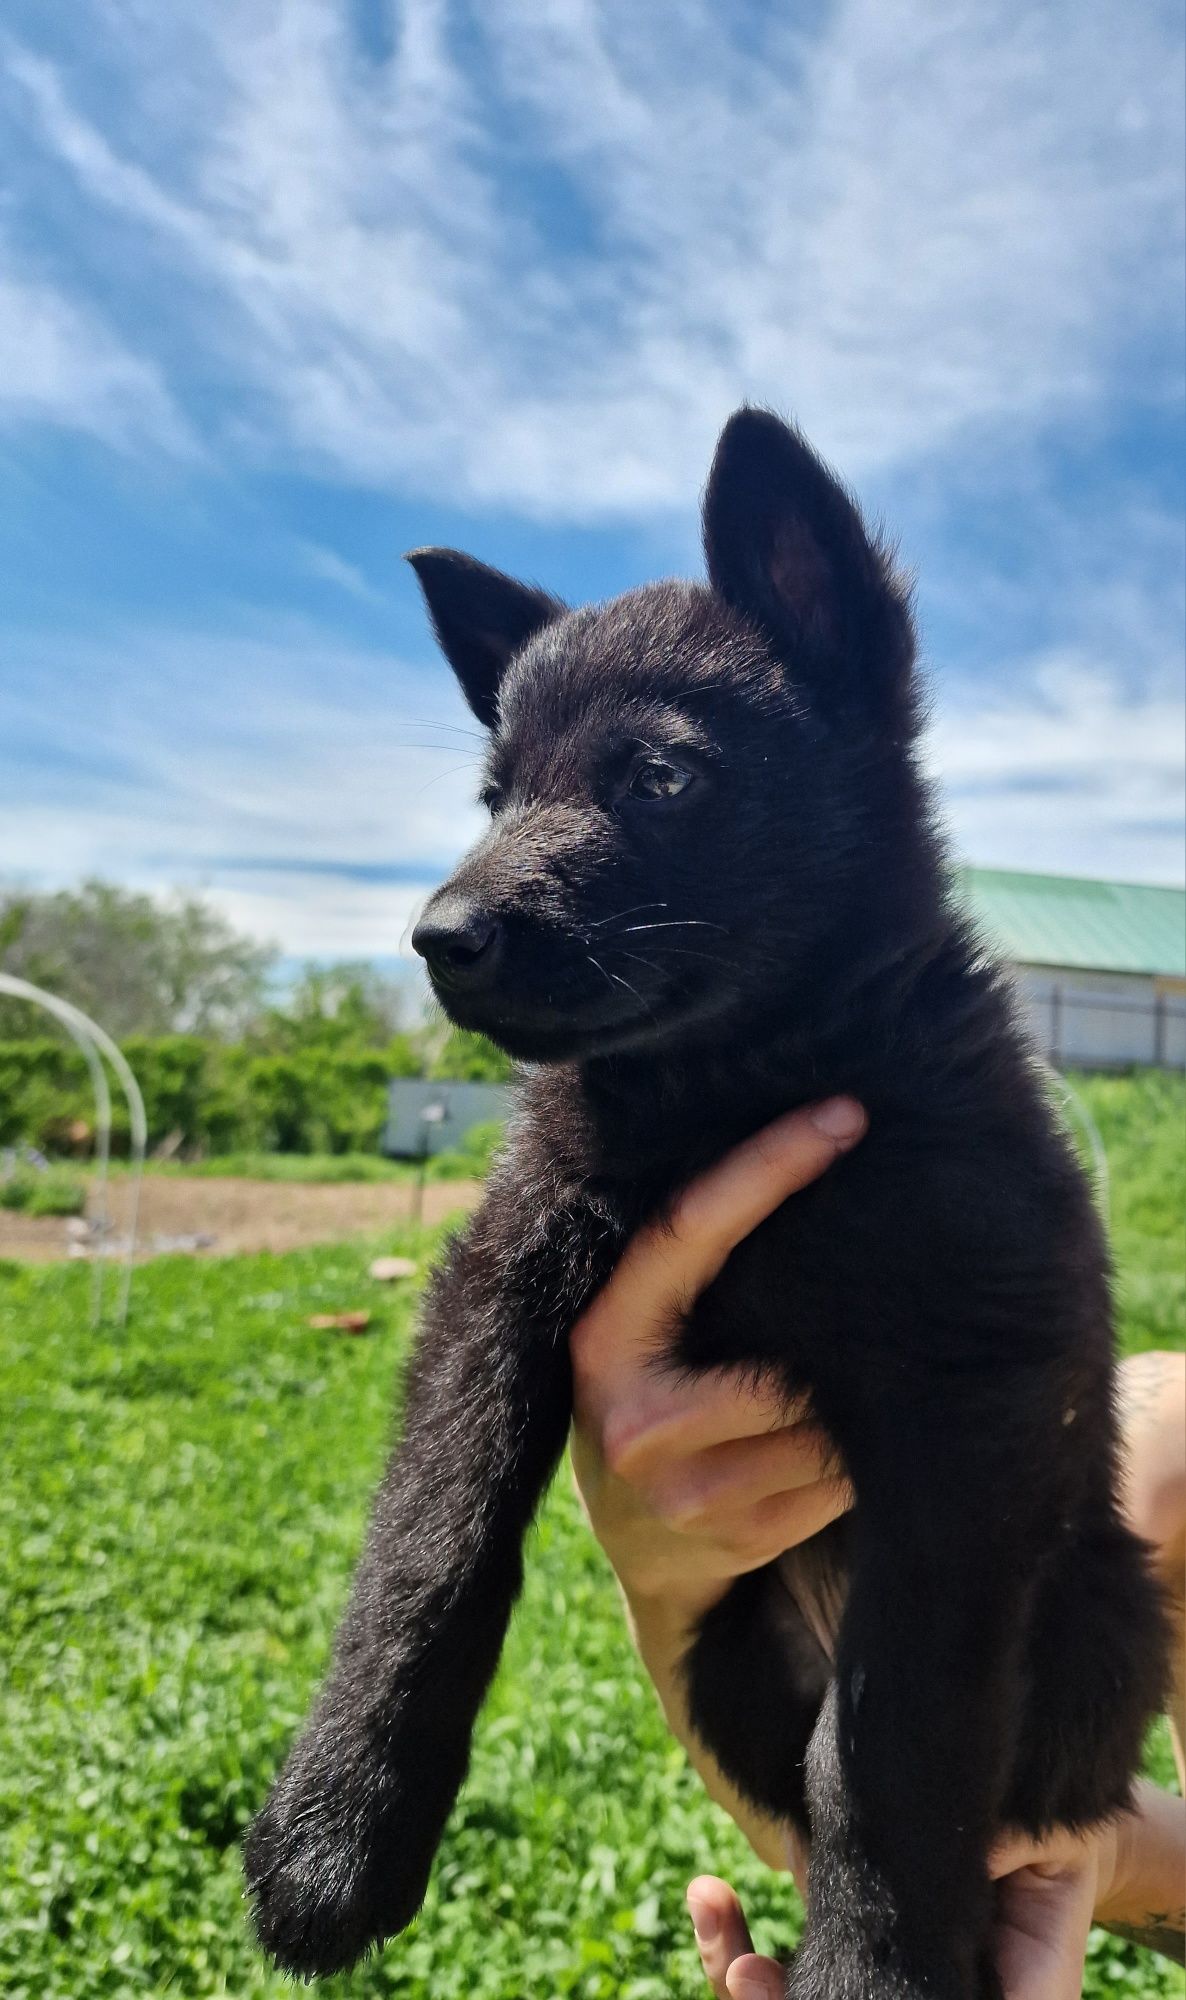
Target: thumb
(754, 1978)
(731, 1966)
(1044, 1916)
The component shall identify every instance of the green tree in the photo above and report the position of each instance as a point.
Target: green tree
(468, 1058)
(138, 965)
(351, 1005)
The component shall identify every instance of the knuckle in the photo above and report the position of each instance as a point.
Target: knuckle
(679, 1507)
(623, 1445)
(742, 1542)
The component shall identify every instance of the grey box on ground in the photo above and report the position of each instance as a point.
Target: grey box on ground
(413, 1131)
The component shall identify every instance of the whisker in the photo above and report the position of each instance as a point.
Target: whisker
(443, 774)
(674, 924)
(685, 951)
(705, 957)
(596, 962)
(619, 914)
(619, 981)
(635, 959)
(455, 728)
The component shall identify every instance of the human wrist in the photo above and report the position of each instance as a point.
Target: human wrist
(1141, 1864)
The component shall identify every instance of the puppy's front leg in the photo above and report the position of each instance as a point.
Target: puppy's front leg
(339, 1857)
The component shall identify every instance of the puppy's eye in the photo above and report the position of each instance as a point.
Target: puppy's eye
(657, 779)
(491, 797)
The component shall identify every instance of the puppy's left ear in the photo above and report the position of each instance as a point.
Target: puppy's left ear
(481, 618)
(787, 547)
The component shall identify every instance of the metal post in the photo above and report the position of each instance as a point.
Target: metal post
(432, 1114)
(1056, 1025)
(89, 1037)
(421, 1177)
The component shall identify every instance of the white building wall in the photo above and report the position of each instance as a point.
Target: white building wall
(1103, 1020)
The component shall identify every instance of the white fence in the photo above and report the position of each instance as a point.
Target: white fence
(1077, 1029)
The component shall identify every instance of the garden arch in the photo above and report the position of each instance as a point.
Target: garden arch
(95, 1043)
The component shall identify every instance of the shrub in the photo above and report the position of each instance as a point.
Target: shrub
(471, 1160)
(214, 1097)
(468, 1058)
(43, 1191)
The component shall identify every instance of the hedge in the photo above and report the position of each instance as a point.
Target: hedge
(214, 1097)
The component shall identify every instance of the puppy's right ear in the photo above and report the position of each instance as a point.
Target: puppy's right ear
(481, 618)
(787, 547)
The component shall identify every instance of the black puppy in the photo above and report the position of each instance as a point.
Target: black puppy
(711, 891)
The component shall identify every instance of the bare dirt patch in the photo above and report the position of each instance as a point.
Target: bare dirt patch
(243, 1215)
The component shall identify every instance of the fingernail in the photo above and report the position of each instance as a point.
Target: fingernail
(838, 1118)
(705, 1922)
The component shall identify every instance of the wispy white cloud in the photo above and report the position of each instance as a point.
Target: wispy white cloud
(237, 764)
(317, 792)
(330, 567)
(61, 365)
(914, 222)
(1067, 770)
(529, 261)
(324, 920)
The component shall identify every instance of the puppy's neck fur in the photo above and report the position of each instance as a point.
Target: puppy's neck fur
(898, 1032)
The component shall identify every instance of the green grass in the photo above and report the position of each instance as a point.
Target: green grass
(285, 1167)
(179, 1511)
(1141, 1120)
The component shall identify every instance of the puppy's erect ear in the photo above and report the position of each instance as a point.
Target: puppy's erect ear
(480, 618)
(786, 546)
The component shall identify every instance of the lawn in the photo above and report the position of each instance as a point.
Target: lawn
(180, 1509)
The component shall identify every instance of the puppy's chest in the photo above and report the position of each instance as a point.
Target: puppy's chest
(795, 1295)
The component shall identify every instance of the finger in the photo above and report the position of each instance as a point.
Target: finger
(743, 1471)
(1045, 1918)
(649, 1426)
(1011, 1853)
(1058, 1850)
(723, 1205)
(670, 1261)
(721, 1931)
(757, 1535)
(754, 1978)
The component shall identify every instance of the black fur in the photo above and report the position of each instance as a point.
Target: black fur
(680, 961)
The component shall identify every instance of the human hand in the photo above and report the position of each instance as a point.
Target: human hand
(733, 1969)
(687, 1484)
(1045, 1913)
(1126, 1874)
(1046, 1901)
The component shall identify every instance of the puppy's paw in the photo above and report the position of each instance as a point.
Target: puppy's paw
(328, 1873)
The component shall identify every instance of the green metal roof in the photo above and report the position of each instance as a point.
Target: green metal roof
(1069, 920)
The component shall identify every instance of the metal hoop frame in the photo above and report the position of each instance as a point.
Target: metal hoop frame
(95, 1043)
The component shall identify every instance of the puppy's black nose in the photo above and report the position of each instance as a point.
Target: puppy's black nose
(459, 941)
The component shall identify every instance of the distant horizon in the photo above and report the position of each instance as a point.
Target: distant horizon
(408, 968)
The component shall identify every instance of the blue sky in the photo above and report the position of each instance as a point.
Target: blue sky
(288, 286)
